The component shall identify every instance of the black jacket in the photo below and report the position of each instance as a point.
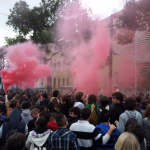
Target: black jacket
(45, 102)
(23, 99)
(116, 111)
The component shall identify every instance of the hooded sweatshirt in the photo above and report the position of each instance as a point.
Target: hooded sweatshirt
(79, 104)
(37, 139)
(26, 116)
(146, 125)
(15, 122)
(125, 116)
(103, 129)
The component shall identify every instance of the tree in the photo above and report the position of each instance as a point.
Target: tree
(134, 16)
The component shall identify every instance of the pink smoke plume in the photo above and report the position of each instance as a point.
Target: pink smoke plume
(89, 47)
(27, 69)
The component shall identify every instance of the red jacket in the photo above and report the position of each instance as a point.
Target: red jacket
(52, 125)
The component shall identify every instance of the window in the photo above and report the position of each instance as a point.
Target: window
(63, 82)
(67, 81)
(54, 82)
(59, 83)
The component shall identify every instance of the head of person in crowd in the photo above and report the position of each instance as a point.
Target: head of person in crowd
(145, 102)
(8, 92)
(17, 98)
(49, 96)
(56, 93)
(75, 112)
(86, 113)
(137, 130)
(92, 99)
(23, 94)
(147, 112)
(105, 116)
(130, 121)
(14, 95)
(138, 99)
(2, 109)
(28, 96)
(14, 104)
(25, 105)
(42, 108)
(44, 96)
(104, 102)
(117, 97)
(66, 101)
(55, 102)
(130, 103)
(35, 100)
(147, 96)
(61, 121)
(51, 107)
(10, 97)
(46, 114)
(35, 112)
(41, 122)
(16, 142)
(79, 96)
(127, 141)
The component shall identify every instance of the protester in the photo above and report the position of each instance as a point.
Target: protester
(87, 132)
(35, 100)
(16, 142)
(127, 141)
(23, 97)
(26, 115)
(79, 100)
(52, 122)
(145, 102)
(51, 108)
(118, 108)
(35, 112)
(74, 115)
(146, 125)
(129, 104)
(130, 121)
(38, 137)
(44, 101)
(103, 129)
(62, 139)
(3, 117)
(56, 95)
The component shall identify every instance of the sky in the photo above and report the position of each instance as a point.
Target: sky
(101, 8)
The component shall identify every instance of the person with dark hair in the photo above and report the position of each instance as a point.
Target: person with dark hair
(74, 115)
(56, 95)
(103, 129)
(26, 115)
(118, 108)
(51, 108)
(65, 105)
(130, 121)
(79, 100)
(14, 95)
(46, 114)
(39, 136)
(104, 105)
(16, 141)
(23, 97)
(3, 117)
(62, 138)
(145, 102)
(146, 125)
(44, 100)
(14, 104)
(35, 112)
(138, 102)
(35, 100)
(52, 122)
(87, 132)
(138, 131)
(129, 104)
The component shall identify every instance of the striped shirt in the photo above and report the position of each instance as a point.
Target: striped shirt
(86, 133)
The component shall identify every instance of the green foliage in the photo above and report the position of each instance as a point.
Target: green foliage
(17, 39)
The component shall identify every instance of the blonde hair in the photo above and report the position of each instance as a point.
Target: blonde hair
(127, 141)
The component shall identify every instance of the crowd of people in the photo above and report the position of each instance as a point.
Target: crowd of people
(38, 121)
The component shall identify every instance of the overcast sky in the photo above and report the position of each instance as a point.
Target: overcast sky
(103, 8)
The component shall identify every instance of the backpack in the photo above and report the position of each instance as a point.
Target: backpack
(10, 132)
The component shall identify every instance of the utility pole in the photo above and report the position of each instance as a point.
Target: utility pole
(110, 57)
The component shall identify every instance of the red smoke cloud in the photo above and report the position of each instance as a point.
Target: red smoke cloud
(27, 69)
